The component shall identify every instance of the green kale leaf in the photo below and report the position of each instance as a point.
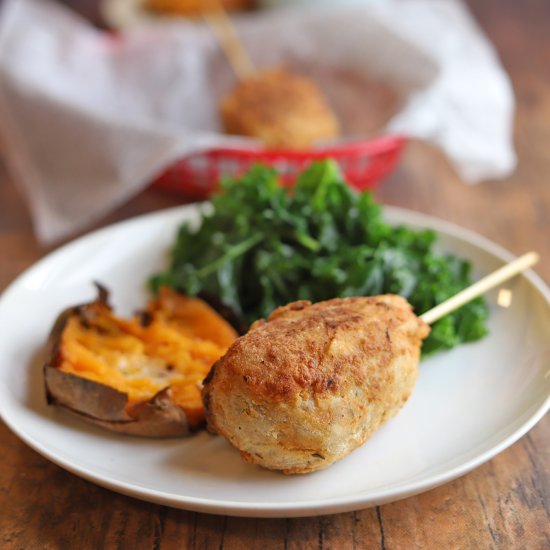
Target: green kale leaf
(262, 246)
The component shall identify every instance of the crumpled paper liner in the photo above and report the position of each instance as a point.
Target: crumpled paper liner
(89, 118)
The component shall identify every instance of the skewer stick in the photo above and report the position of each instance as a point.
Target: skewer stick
(480, 287)
(220, 24)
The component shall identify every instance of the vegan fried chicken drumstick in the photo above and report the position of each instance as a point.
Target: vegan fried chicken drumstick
(276, 106)
(313, 382)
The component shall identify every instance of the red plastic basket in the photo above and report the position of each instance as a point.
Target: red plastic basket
(363, 163)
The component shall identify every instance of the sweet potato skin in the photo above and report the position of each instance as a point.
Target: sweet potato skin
(102, 405)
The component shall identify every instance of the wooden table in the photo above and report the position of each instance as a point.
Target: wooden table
(504, 504)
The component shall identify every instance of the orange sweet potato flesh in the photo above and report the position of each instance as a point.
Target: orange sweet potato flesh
(139, 376)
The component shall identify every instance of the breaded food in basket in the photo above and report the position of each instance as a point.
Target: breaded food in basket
(139, 376)
(279, 108)
(192, 7)
(313, 382)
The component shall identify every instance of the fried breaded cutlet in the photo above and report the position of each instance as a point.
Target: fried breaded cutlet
(313, 382)
(279, 108)
(192, 7)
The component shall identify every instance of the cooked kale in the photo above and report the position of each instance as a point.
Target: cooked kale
(262, 246)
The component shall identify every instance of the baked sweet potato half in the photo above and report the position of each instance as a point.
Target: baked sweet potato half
(139, 376)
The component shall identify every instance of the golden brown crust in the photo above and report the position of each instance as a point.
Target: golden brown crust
(279, 108)
(192, 7)
(304, 362)
(312, 383)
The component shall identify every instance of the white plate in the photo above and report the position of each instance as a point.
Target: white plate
(469, 404)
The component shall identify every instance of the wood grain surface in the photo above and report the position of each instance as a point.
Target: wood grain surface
(504, 504)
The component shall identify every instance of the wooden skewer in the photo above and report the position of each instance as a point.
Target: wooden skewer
(483, 285)
(220, 24)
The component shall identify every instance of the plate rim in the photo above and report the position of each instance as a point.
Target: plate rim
(285, 509)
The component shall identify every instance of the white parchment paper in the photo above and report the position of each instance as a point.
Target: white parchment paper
(88, 118)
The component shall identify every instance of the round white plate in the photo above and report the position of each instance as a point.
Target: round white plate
(469, 404)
